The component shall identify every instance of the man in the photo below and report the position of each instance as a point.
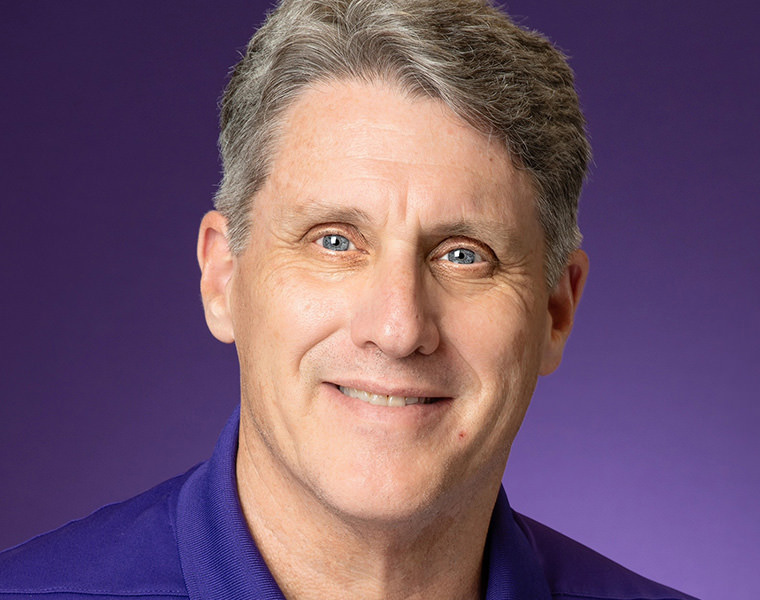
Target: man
(396, 256)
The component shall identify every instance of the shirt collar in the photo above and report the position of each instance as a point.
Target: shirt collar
(220, 560)
(513, 569)
(218, 556)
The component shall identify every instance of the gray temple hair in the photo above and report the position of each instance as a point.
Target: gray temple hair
(505, 81)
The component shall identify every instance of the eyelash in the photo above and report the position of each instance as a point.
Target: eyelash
(476, 256)
(336, 235)
(320, 233)
(483, 253)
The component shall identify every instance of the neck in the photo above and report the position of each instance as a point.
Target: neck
(315, 552)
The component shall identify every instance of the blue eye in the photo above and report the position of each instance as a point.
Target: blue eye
(462, 256)
(338, 243)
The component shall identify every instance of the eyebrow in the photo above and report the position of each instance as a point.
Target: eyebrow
(474, 229)
(318, 211)
(504, 239)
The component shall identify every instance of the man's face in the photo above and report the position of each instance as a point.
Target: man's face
(394, 252)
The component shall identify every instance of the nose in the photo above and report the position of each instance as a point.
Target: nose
(392, 311)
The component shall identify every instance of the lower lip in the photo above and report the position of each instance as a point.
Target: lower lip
(413, 415)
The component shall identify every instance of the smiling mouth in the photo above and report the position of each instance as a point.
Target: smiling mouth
(383, 400)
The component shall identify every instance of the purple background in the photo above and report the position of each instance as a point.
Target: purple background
(644, 445)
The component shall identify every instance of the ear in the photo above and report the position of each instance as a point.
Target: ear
(216, 263)
(563, 302)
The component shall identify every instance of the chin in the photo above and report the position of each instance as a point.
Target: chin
(373, 494)
(388, 509)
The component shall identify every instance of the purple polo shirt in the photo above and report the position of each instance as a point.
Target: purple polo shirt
(187, 538)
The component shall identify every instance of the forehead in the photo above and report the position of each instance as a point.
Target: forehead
(372, 143)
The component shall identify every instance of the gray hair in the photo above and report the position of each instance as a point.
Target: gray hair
(505, 81)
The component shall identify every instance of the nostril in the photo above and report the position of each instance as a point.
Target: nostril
(391, 312)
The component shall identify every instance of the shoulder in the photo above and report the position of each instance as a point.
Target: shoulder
(577, 572)
(126, 549)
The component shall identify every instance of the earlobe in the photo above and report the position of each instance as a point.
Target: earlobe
(562, 304)
(216, 263)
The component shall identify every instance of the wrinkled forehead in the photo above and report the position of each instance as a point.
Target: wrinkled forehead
(371, 156)
(348, 133)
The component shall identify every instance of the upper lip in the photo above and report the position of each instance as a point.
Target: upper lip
(407, 391)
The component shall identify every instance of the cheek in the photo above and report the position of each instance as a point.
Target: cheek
(502, 347)
(285, 310)
(497, 342)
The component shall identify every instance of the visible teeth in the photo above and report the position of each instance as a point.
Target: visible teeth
(396, 401)
(381, 399)
(378, 400)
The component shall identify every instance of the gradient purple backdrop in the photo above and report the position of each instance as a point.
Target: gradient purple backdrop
(644, 445)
